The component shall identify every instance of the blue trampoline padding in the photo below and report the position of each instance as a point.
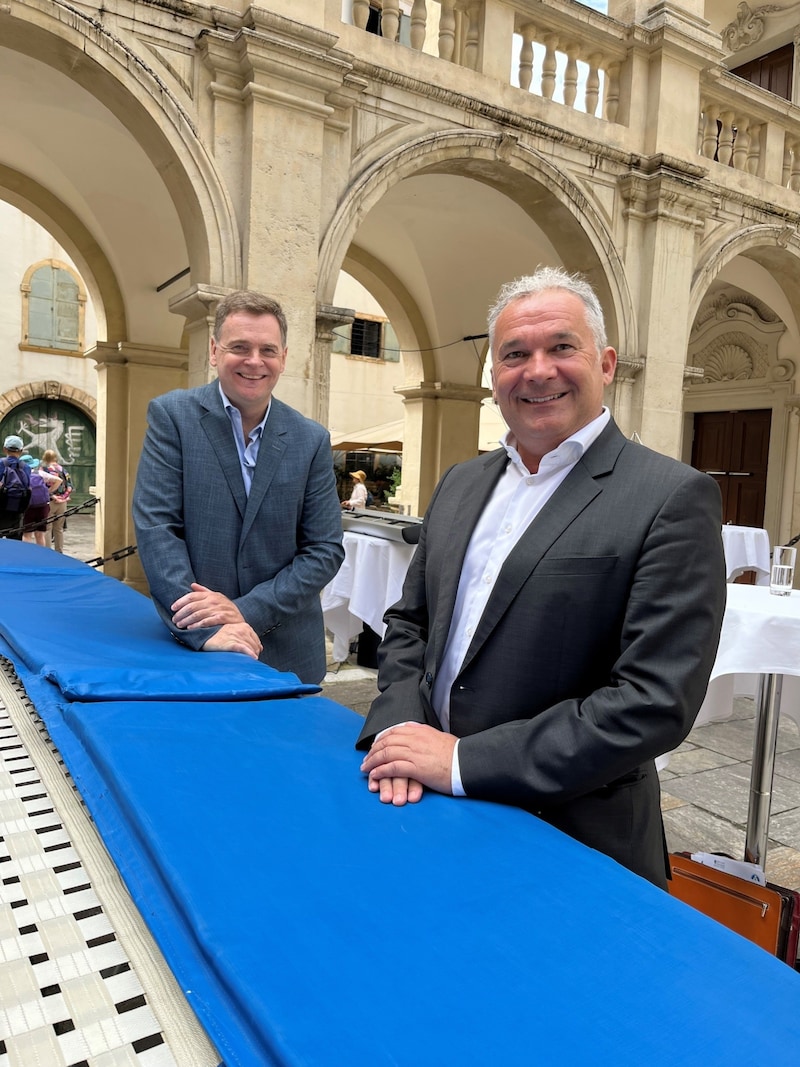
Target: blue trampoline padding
(97, 639)
(312, 925)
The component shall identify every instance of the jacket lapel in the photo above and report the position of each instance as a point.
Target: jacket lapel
(217, 428)
(576, 492)
(465, 510)
(274, 442)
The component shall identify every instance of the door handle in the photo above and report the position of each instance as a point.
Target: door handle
(740, 474)
(715, 472)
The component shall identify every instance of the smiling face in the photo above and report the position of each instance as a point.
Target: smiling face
(250, 358)
(547, 373)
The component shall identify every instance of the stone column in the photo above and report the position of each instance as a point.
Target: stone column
(664, 209)
(442, 421)
(128, 377)
(198, 306)
(291, 70)
(623, 407)
(328, 318)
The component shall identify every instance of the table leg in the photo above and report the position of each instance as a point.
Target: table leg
(768, 709)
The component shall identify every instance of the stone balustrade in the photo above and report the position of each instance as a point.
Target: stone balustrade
(748, 129)
(584, 60)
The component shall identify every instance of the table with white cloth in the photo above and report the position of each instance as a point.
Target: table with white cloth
(747, 548)
(759, 653)
(369, 581)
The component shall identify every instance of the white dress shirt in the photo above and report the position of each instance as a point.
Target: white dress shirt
(517, 499)
(248, 450)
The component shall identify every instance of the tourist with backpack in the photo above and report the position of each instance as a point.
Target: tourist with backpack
(59, 495)
(34, 526)
(15, 488)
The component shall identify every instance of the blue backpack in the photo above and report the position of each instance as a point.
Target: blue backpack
(15, 485)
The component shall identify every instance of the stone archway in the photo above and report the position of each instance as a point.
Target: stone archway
(419, 228)
(743, 349)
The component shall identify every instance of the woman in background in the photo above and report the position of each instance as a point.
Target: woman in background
(59, 495)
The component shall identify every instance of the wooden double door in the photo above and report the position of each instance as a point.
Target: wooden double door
(733, 447)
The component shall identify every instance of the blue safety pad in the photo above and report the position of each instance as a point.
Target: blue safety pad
(309, 924)
(97, 639)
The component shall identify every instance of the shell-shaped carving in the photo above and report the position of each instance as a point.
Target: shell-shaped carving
(728, 363)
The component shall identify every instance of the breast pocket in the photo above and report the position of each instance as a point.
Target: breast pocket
(574, 566)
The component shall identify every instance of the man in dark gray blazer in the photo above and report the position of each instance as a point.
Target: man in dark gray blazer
(560, 618)
(236, 511)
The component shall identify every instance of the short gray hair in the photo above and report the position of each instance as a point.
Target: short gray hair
(543, 279)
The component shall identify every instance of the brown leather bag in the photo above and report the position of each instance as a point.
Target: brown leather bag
(767, 915)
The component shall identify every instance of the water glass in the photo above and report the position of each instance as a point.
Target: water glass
(781, 577)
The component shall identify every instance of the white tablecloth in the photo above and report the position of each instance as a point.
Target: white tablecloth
(370, 580)
(760, 635)
(746, 548)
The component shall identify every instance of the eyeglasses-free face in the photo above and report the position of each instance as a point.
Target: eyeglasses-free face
(250, 359)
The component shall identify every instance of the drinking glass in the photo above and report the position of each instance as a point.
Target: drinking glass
(781, 577)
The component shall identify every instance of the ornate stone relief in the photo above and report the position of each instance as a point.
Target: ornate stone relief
(727, 361)
(735, 339)
(748, 26)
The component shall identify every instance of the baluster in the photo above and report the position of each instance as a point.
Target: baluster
(526, 57)
(419, 20)
(708, 147)
(741, 144)
(787, 161)
(447, 30)
(794, 174)
(612, 92)
(473, 37)
(593, 84)
(360, 13)
(571, 76)
(754, 151)
(726, 138)
(390, 19)
(549, 66)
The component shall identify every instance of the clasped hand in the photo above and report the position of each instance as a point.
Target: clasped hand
(406, 758)
(205, 607)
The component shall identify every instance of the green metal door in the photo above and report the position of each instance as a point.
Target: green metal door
(55, 424)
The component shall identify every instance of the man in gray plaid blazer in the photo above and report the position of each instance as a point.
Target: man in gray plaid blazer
(237, 517)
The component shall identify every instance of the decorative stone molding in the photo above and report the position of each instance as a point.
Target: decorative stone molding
(444, 391)
(628, 369)
(48, 390)
(734, 304)
(728, 362)
(748, 26)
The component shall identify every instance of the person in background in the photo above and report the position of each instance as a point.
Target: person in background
(560, 618)
(60, 493)
(15, 478)
(358, 497)
(38, 510)
(236, 511)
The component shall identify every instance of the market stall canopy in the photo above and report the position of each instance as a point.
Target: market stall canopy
(386, 437)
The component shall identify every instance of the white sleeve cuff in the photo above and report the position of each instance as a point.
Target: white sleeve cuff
(455, 776)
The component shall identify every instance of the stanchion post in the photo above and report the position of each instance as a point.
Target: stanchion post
(768, 711)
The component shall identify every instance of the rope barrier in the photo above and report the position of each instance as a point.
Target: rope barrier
(88, 504)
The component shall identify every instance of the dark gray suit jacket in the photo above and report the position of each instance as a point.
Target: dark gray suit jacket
(270, 552)
(593, 654)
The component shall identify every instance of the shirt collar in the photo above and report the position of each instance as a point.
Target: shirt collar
(564, 455)
(257, 431)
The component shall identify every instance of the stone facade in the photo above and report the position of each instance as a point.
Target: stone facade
(182, 150)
